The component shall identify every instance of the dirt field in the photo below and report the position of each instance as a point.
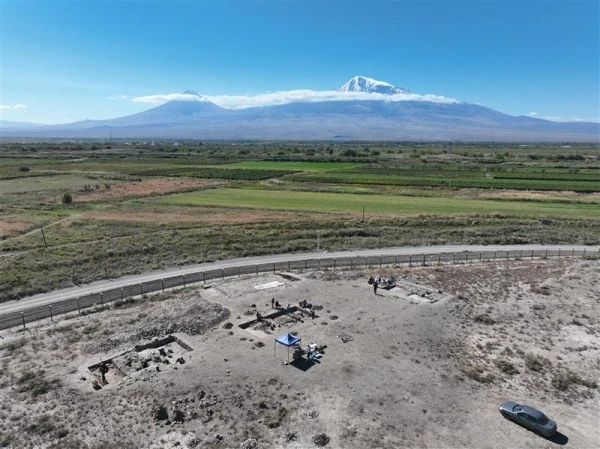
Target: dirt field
(423, 365)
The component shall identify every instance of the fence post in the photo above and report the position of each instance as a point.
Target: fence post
(558, 252)
(289, 265)
(162, 285)
(305, 266)
(239, 275)
(273, 267)
(532, 254)
(573, 253)
(453, 257)
(204, 277)
(583, 252)
(141, 288)
(366, 261)
(78, 306)
(423, 258)
(521, 256)
(222, 273)
(350, 262)
(23, 319)
(467, 256)
(319, 263)
(334, 264)
(51, 316)
(439, 257)
(183, 276)
(410, 260)
(256, 268)
(495, 254)
(546, 253)
(380, 261)
(122, 294)
(480, 257)
(102, 298)
(395, 259)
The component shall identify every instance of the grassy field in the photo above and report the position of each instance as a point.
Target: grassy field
(376, 204)
(139, 205)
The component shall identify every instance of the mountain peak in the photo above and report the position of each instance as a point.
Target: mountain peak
(191, 92)
(370, 85)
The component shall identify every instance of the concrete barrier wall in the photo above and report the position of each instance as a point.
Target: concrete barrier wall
(102, 299)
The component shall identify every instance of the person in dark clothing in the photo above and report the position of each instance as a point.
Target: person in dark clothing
(272, 303)
(103, 370)
(277, 305)
(375, 287)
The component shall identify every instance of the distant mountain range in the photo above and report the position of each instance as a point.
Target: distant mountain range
(367, 109)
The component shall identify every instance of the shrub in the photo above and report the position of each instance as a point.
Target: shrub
(507, 367)
(24, 169)
(535, 363)
(67, 198)
(485, 319)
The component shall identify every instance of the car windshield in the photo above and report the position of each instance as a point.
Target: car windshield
(543, 419)
(517, 408)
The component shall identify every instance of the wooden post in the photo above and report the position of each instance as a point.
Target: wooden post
(479, 256)
(350, 262)
(410, 260)
(439, 257)
(334, 263)
(183, 276)
(141, 288)
(380, 261)
(573, 253)
(288, 265)
(583, 252)
(521, 256)
(238, 268)
(204, 277)
(51, 316)
(162, 285)
(222, 273)
(495, 255)
(44, 237)
(305, 266)
(122, 294)
(546, 253)
(558, 252)
(453, 257)
(423, 258)
(273, 267)
(78, 306)
(23, 319)
(256, 268)
(102, 298)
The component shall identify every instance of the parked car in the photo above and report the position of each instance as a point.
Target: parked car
(528, 417)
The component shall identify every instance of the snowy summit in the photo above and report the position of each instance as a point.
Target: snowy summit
(370, 85)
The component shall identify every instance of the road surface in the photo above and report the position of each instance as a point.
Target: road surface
(71, 292)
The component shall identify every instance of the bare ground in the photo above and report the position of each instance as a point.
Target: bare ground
(412, 373)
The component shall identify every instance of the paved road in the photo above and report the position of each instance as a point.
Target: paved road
(59, 295)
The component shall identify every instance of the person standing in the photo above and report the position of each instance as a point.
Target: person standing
(272, 303)
(375, 287)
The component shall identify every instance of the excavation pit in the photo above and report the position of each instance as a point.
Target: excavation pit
(269, 324)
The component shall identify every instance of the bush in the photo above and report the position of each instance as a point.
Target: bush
(507, 367)
(535, 363)
(67, 198)
(485, 319)
(24, 169)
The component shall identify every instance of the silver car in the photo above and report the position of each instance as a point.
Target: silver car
(528, 417)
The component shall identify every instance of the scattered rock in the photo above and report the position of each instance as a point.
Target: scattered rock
(333, 317)
(227, 326)
(320, 439)
(289, 437)
(313, 414)
(250, 443)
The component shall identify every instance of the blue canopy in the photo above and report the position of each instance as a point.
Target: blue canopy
(288, 340)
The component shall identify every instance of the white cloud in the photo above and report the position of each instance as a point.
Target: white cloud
(571, 119)
(292, 96)
(163, 98)
(16, 106)
(532, 114)
(118, 97)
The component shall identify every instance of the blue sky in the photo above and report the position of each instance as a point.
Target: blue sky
(67, 61)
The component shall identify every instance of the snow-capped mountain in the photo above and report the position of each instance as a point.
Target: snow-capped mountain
(345, 117)
(371, 86)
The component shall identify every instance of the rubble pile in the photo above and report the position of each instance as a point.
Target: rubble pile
(320, 439)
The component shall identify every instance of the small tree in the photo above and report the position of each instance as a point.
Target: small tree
(67, 198)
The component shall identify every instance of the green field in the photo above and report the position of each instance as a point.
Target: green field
(375, 204)
(299, 166)
(140, 205)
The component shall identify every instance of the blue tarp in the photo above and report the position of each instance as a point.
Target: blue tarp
(288, 340)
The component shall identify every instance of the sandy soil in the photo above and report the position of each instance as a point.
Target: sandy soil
(155, 186)
(415, 366)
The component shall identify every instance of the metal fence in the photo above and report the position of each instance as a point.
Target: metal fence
(106, 297)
